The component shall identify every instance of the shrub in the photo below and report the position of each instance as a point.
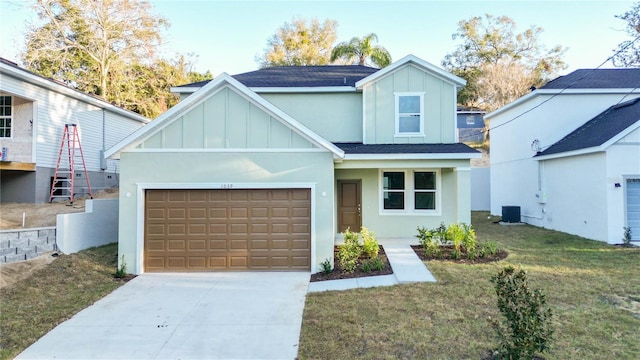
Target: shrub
(455, 234)
(526, 327)
(369, 243)
(626, 237)
(121, 272)
(489, 248)
(373, 264)
(326, 266)
(469, 237)
(349, 253)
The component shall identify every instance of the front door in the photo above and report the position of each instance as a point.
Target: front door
(349, 205)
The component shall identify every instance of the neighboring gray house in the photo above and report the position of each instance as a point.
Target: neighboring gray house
(262, 170)
(470, 123)
(568, 154)
(33, 112)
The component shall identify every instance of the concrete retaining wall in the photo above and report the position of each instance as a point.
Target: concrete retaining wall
(25, 244)
(97, 226)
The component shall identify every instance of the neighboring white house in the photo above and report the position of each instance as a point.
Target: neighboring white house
(33, 113)
(568, 154)
(261, 170)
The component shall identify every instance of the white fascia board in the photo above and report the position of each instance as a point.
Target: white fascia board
(552, 92)
(423, 156)
(318, 89)
(445, 75)
(280, 90)
(621, 134)
(184, 90)
(72, 93)
(228, 150)
(590, 150)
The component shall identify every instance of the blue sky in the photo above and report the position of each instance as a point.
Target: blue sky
(228, 35)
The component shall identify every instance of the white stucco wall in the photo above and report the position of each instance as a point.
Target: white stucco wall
(248, 169)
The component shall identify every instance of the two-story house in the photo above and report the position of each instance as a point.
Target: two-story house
(33, 114)
(568, 154)
(262, 170)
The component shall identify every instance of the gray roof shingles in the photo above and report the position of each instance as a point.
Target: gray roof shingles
(597, 79)
(300, 76)
(600, 129)
(359, 148)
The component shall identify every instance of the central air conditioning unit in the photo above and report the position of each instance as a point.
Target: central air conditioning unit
(511, 214)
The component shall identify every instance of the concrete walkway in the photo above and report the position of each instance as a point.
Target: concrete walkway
(407, 268)
(249, 315)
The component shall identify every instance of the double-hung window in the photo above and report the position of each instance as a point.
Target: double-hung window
(5, 116)
(409, 191)
(409, 114)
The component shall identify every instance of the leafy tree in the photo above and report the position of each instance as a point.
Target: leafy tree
(628, 52)
(361, 49)
(300, 42)
(106, 48)
(147, 90)
(499, 64)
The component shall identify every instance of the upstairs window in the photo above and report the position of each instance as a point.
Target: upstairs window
(409, 114)
(5, 116)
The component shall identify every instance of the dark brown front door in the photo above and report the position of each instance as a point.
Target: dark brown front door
(349, 205)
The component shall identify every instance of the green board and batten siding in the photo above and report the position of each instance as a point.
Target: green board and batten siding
(439, 110)
(226, 120)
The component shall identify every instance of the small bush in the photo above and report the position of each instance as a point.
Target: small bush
(526, 327)
(626, 237)
(326, 266)
(349, 252)
(489, 248)
(121, 272)
(369, 243)
(375, 264)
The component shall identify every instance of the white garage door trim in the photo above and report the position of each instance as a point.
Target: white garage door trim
(140, 201)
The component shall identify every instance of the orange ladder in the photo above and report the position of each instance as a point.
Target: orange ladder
(64, 182)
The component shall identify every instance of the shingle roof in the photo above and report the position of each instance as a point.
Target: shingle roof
(300, 76)
(359, 148)
(600, 129)
(597, 79)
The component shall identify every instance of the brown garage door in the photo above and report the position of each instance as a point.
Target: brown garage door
(212, 230)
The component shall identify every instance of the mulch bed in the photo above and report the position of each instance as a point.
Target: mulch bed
(447, 255)
(337, 272)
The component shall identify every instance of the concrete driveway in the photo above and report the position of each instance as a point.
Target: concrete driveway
(246, 315)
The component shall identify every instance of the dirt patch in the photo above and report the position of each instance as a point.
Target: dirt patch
(14, 272)
(41, 215)
(338, 273)
(447, 255)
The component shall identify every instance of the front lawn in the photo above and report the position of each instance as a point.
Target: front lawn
(32, 307)
(592, 288)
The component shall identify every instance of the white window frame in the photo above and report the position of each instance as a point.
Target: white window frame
(10, 118)
(472, 118)
(398, 95)
(409, 193)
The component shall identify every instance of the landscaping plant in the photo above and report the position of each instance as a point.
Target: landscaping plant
(369, 243)
(326, 266)
(350, 251)
(526, 327)
(626, 238)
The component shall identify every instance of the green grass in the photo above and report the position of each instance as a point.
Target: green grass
(591, 287)
(32, 307)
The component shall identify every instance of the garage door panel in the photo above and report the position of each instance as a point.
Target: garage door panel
(216, 230)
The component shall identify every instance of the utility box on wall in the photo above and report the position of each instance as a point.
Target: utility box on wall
(511, 214)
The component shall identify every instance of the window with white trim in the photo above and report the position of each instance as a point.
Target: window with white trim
(5, 116)
(409, 114)
(471, 120)
(409, 191)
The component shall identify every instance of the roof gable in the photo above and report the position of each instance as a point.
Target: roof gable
(599, 131)
(182, 109)
(421, 64)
